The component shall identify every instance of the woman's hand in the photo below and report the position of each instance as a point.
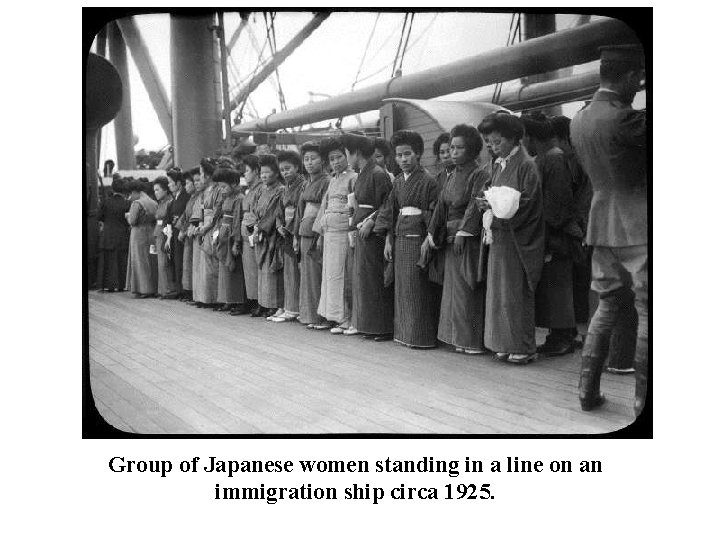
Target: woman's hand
(235, 251)
(166, 246)
(482, 203)
(458, 245)
(366, 230)
(296, 245)
(387, 252)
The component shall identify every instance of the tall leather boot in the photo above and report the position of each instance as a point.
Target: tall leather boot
(594, 353)
(641, 370)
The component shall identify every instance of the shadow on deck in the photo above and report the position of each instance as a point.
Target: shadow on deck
(165, 367)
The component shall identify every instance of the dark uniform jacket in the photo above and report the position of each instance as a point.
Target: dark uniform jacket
(116, 231)
(609, 138)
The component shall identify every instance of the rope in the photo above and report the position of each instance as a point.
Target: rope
(367, 46)
(513, 33)
(407, 39)
(397, 53)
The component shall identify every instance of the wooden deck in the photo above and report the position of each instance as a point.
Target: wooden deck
(166, 367)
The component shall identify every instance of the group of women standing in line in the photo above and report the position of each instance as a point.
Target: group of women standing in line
(416, 258)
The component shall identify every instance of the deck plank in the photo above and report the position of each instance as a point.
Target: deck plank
(163, 366)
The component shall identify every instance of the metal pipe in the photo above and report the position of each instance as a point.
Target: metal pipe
(522, 97)
(196, 124)
(547, 53)
(277, 59)
(123, 121)
(237, 32)
(224, 69)
(148, 73)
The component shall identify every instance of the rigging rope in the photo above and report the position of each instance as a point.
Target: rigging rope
(367, 46)
(402, 35)
(407, 39)
(513, 34)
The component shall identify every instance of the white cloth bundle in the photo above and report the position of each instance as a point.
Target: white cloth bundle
(167, 231)
(504, 203)
(503, 200)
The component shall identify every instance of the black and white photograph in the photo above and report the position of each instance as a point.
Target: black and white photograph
(366, 223)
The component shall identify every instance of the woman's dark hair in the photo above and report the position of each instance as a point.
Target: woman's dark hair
(269, 160)
(175, 173)
(226, 162)
(195, 170)
(384, 146)
(187, 175)
(227, 175)
(118, 185)
(162, 181)
(290, 156)
(208, 165)
(358, 143)
(252, 161)
(537, 126)
(408, 138)
(137, 185)
(561, 127)
(508, 126)
(329, 144)
(443, 138)
(310, 146)
(472, 138)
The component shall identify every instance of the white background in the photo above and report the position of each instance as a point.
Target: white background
(57, 485)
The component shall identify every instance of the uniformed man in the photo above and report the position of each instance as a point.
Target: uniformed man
(610, 140)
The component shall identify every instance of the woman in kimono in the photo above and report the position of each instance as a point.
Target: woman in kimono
(333, 224)
(443, 161)
(290, 165)
(116, 238)
(404, 221)
(306, 240)
(231, 283)
(517, 249)
(205, 290)
(141, 277)
(384, 156)
(266, 239)
(196, 217)
(372, 302)
(462, 309)
(166, 272)
(183, 225)
(554, 306)
(176, 183)
(242, 237)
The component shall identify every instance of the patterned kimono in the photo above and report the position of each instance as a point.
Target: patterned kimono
(247, 226)
(308, 206)
(333, 223)
(166, 271)
(462, 309)
(372, 305)
(142, 269)
(231, 281)
(291, 268)
(195, 222)
(515, 260)
(268, 248)
(207, 280)
(177, 253)
(183, 225)
(405, 217)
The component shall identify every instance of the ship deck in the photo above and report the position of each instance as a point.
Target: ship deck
(166, 367)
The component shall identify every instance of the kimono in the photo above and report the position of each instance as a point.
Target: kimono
(372, 302)
(142, 268)
(116, 238)
(231, 280)
(268, 247)
(515, 260)
(247, 226)
(205, 290)
(291, 268)
(177, 247)
(554, 306)
(166, 272)
(183, 225)
(333, 223)
(462, 308)
(308, 206)
(405, 217)
(196, 217)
